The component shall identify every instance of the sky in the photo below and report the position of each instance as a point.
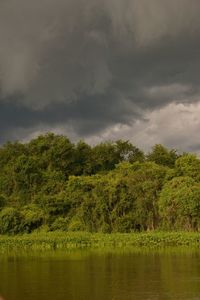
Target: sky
(101, 70)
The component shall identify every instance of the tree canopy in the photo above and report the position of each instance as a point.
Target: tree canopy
(55, 184)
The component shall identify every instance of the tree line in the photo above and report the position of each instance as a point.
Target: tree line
(52, 184)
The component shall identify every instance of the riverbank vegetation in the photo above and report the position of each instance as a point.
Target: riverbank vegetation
(71, 240)
(52, 184)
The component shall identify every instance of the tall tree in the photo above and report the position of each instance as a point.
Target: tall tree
(162, 156)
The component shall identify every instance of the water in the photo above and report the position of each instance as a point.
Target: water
(89, 275)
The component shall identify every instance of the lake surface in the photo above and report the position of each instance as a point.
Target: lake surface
(94, 275)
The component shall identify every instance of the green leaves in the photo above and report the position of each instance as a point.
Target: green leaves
(179, 204)
(188, 165)
(10, 221)
(110, 187)
(162, 156)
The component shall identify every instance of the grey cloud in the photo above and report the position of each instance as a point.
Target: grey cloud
(90, 65)
(175, 125)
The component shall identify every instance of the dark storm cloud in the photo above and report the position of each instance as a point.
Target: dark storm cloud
(91, 64)
(86, 117)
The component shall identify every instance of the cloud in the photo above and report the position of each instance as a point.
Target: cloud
(175, 125)
(87, 66)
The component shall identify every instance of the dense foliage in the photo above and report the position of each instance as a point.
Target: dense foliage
(53, 184)
(39, 241)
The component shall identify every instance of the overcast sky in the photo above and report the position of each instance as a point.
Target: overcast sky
(101, 70)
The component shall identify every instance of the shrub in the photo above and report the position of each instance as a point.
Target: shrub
(60, 224)
(10, 220)
(179, 204)
(76, 225)
(32, 218)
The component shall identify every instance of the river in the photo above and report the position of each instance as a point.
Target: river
(101, 275)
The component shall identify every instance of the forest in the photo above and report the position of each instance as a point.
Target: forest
(50, 183)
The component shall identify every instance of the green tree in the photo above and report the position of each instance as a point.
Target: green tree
(162, 156)
(127, 152)
(56, 152)
(32, 217)
(10, 151)
(82, 162)
(188, 165)
(10, 220)
(104, 157)
(179, 204)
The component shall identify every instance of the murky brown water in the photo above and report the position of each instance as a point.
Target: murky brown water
(101, 276)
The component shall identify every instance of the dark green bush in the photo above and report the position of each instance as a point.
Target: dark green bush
(32, 218)
(10, 221)
(60, 223)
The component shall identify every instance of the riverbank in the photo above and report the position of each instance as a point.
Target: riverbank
(70, 240)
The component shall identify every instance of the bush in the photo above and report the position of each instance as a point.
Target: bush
(125, 224)
(179, 204)
(60, 224)
(10, 221)
(32, 218)
(76, 225)
(2, 201)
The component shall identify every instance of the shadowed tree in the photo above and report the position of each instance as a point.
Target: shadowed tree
(162, 156)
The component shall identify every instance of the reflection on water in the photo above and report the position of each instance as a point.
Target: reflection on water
(105, 275)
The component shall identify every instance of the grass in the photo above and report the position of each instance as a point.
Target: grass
(71, 240)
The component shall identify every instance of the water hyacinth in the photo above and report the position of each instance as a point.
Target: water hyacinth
(63, 240)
